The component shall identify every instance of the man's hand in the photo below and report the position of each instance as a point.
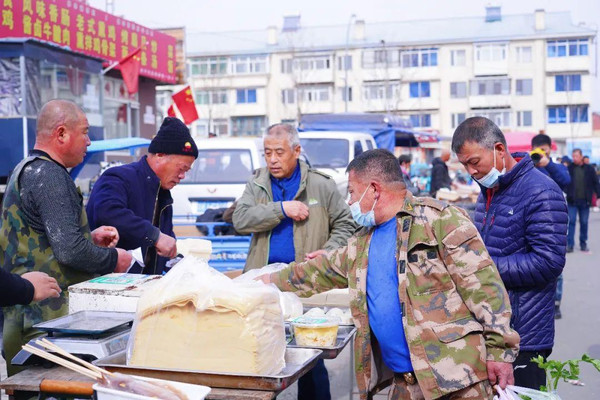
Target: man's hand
(166, 246)
(314, 254)
(296, 210)
(123, 260)
(500, 373)
(105, 236)
(44, 286)
(544, 161)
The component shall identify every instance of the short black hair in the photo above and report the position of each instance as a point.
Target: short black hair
(586, 156)
(479, 130)
(577, 150)
(377, 163)
(540, 140)
(405, 159)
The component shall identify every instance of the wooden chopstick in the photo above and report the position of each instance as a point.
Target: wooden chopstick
(56, 348)
(62, 362)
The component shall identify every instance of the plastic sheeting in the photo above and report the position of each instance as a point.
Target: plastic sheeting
(387, 130)
(197, 318)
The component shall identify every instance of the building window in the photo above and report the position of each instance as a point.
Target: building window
(381, 58)
(458, 89)
(344, 63)
(209, 66)
(314, 94)
(458, 58)
(457, 119)
(573, 114)
(578, 113)
(220, 127)
(499, 117)
(524, 118)
(379, 91)
(486, 87)
(567, 48)
(419, 89)
(421, 120)
(567, 83)
(249, 65)
(312, 63)
(245, 96)
(217, 96)
(523, 54)
(490, 52)
(419, 58)
(344, 92)
(287, 66)
(524, 87)
(248, 126)
(288, 96)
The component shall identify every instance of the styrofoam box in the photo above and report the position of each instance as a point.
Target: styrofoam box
(193, 392)
(112, 292)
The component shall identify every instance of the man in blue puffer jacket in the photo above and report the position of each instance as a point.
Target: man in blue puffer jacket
(522, 217)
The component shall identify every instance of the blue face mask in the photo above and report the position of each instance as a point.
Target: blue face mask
(491, 178)
(364, 219)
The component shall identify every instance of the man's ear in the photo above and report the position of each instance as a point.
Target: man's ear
(500, 148)
(61, 133)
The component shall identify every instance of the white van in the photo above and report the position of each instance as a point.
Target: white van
(219, 175)
(332, 151)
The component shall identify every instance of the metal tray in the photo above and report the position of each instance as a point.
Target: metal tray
(298, 361)
(345, 334)
(87, 322)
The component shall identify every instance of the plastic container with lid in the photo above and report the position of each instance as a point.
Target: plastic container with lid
(316, 331)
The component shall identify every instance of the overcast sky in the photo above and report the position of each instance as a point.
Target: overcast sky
(227, 15)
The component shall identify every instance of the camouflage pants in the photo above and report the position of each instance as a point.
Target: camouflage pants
(18, 323)
(403, 391)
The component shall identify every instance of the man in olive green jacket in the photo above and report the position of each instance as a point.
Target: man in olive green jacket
(321, 219)
(294, 213)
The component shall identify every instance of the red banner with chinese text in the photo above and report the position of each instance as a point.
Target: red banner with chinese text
(87, 30)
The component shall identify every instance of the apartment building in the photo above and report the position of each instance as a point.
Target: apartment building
(527, 72)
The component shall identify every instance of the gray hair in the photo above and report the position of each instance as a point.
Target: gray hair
(479, 130)
(281, 129)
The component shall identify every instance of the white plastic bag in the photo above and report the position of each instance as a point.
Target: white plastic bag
(512, 393)
(290, 303)
(197, 318)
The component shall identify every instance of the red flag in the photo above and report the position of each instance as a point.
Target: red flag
(185, 103)
(130, 70)
(171, 111)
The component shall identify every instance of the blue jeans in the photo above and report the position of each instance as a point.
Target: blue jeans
(559, 289)
(583, 209)
(314, 385)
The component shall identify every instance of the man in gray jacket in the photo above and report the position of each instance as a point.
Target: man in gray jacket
(294, 213)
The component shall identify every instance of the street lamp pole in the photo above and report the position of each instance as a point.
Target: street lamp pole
(345, 63)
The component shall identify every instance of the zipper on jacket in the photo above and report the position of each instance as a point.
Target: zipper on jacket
(269, 237)
(159, 218)
(488, 206)
(153, 215)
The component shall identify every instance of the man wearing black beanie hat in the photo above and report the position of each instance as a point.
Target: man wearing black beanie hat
(136, 197)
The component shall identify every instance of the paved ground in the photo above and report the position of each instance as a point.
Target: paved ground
(578, 332)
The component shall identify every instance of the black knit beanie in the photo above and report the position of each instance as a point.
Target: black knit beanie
(173, 137)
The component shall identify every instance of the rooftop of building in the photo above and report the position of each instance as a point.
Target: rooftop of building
(402, 33)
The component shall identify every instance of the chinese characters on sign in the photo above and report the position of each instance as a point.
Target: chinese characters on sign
(87, 30)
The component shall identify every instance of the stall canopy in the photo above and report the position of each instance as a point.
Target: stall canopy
(387, 130)
(521, 141)
(98, 146)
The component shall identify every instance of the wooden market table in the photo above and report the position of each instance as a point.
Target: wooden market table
(31, 379)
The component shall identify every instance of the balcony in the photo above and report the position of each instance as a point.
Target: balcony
(568, 64)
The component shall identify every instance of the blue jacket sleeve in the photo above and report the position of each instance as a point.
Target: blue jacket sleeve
(559, 174)
(110, 208)
(545, 222)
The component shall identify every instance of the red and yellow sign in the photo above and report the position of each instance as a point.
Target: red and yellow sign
(87, 30)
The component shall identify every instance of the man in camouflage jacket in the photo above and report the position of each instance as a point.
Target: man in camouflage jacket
(455, 309)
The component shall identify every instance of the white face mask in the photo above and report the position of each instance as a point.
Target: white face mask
(491, 178)
(363, 219)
